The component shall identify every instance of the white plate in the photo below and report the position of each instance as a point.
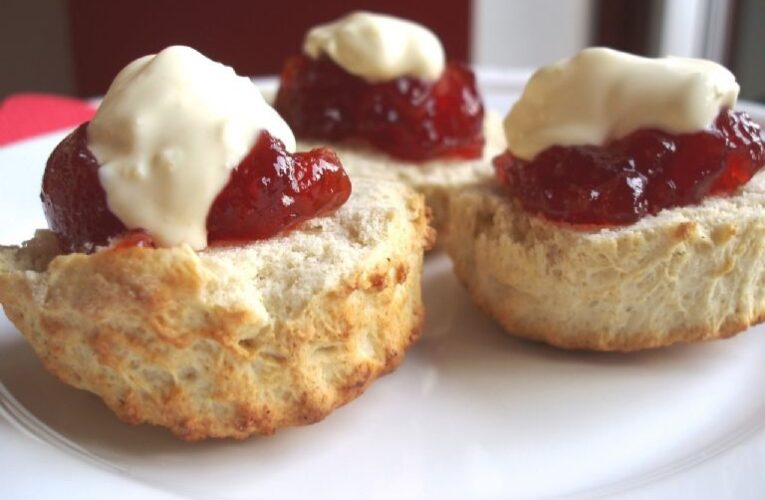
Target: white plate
(471, 413)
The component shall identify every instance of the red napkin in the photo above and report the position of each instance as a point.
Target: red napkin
(27, 115)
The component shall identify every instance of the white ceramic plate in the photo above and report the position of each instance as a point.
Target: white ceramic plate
(472, 413)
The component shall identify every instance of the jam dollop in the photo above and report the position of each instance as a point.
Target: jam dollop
(270, 191)
(637, 175)
(407, 117)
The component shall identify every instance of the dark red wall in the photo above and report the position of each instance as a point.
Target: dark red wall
(252, 36)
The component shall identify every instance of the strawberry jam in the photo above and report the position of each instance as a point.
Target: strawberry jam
(136, 238)
(640, 174)
(73, 199)
(270, 191)
(407, 117)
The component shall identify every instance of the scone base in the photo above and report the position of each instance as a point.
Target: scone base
(684, 275)
(229, 342)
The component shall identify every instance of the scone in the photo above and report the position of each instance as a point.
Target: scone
(202, 275)
(686, 274)
(620, 217)
(230, 341)
(378, 90)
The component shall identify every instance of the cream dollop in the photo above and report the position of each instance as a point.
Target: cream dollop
(601, 94)
(377, 47)
(167, 135)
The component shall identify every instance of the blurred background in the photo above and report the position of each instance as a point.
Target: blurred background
(75, 47)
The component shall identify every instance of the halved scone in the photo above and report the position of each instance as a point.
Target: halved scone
(231, 340)
(686, 274)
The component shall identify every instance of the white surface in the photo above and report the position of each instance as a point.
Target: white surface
(683, 27)
(472, 413)
(695, 28)
(529, 33)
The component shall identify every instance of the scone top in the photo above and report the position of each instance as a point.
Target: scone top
(378, 47)
(167, 135)
(601, 94)
(606, 138)
(371, 80)
(182, 151)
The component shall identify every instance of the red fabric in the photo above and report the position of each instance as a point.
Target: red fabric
(27, 115)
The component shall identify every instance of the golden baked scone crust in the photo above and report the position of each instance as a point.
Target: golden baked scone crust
(687, 274)
(228, 342)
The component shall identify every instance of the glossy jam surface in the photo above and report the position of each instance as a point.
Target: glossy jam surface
(640, 174)
(407, 118)
(269, 191)
(73, 199)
